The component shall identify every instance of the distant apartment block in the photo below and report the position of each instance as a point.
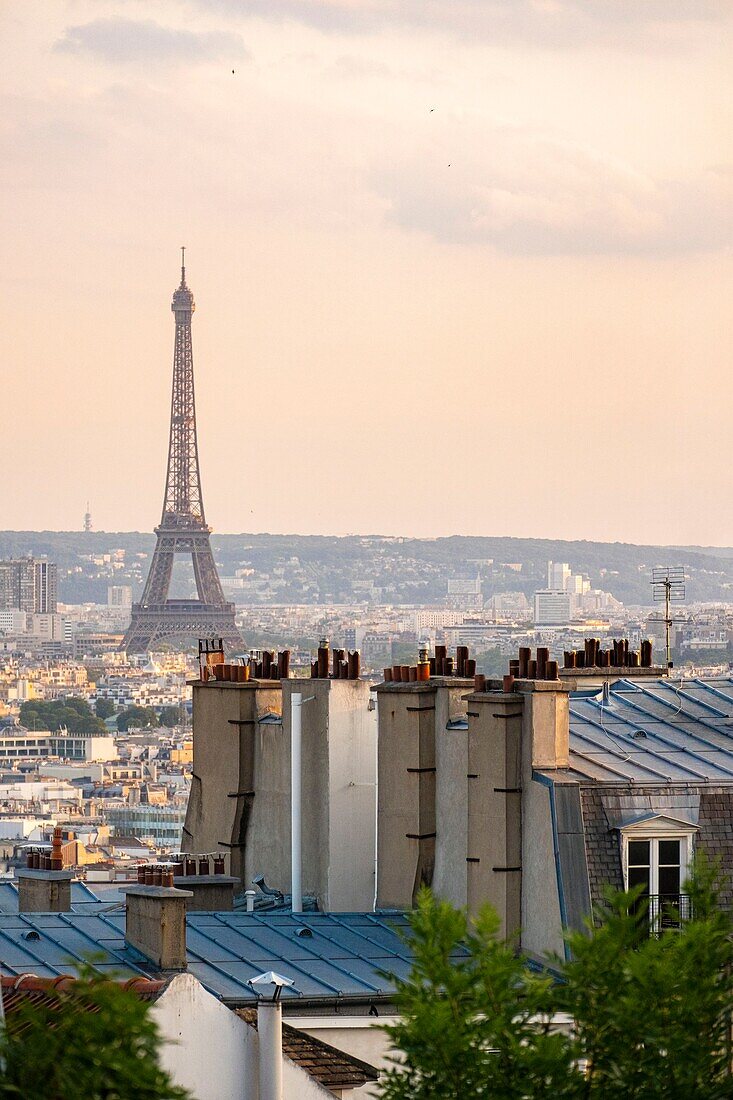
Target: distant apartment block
(551, 608)
(119, 595)
(17, 743)
(29, 584)
(431, 618)
(89, 644)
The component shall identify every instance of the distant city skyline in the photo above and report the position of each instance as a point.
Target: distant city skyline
(459, 269)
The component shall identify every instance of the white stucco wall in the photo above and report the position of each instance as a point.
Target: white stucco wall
(206, 1048)
(211, 1052)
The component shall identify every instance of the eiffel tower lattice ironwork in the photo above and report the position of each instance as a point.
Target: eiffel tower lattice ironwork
(183, 528)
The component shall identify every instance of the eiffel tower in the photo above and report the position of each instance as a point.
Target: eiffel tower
(183, 528)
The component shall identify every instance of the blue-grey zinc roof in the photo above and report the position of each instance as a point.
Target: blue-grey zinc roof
(83, 899)
(655, 731)
(342, 958)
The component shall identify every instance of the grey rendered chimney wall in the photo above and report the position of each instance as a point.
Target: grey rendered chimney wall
(44, 891)
(155, 924)
(405, 792)
(232, 754)
(510, 851)
(421, 810)
(209, 893)
(450, 880)
(494, 851)
(546, 724)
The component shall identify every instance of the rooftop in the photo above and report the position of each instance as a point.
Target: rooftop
(657, 731)
(333, 957)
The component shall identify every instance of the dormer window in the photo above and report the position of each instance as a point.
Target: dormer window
(656, 852)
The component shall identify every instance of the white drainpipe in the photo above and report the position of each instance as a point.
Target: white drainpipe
(270, 1034)
(296, 884)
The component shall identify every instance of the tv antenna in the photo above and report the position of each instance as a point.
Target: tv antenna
(668, 587)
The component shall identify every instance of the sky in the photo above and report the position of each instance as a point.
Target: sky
(460, 266)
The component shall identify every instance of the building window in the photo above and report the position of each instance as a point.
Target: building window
(658, 864)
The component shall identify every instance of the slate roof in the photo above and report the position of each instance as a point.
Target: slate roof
(332, 957)
(658, 731)
(332, 1068)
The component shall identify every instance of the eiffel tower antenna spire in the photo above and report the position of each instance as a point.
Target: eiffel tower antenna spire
(183, 528)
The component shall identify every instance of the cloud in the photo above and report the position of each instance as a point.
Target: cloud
(122, 41)
(543, 23)
(532, 195)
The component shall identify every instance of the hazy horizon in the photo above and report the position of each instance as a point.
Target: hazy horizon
(366, 535)
(457, 266)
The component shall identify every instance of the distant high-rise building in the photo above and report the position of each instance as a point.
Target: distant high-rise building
(45, 587)
(17, 583)
(558, 575)
(119, 595)
(28, 584)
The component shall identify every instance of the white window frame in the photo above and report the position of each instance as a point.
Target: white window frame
(653, 830)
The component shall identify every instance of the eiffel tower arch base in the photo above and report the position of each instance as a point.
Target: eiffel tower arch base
(179, 621)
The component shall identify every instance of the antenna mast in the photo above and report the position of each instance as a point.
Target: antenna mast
(668, 587)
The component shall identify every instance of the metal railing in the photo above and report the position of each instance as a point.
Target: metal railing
(664, 912)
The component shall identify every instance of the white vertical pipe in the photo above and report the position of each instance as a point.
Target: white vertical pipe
(296, 883)
(270, 1035)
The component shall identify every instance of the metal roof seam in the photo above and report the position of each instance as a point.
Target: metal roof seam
(628, 758)
(287, 962)
(80, 931)
(715, 691)
(354, 932)
(649, 733)
(664, 722)
(691, 699)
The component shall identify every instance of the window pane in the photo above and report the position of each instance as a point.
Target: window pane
(669, 880)
(639, 876)
(669, 852)
(638, 853)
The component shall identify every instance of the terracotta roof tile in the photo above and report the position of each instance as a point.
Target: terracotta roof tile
(29, 989)
(332, 1068)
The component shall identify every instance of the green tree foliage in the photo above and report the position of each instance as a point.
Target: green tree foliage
(137, 718)
(104, 708)
(73, 713)
(467, 1026)
(652, 1013)
(171, 716)
(98, 1041)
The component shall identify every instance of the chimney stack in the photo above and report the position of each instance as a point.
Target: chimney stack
(155, 924)
(422, 779)
(44, 891)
